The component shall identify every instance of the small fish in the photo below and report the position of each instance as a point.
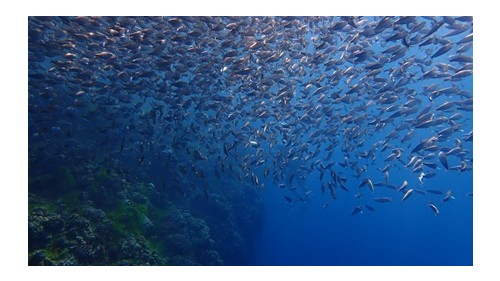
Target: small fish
(412, 161)
(382, 199)
(434, 209)
(419, 191)
(433, 191)
(369, 207)
(288, 199)
(407, 194)
(343, 187)
(448, 196)
(421, 178)
(357, 210)
(443, 50)
(434, 28)
(253, 143)
(461, 74)
(370, 184)
(121, 144)
(443, 159)
(430, 165)
(333, 194)
(403, 186)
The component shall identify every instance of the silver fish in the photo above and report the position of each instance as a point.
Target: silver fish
(448, 196)
(382, 199)
(434, 208)
(407, 194)
(443, 159)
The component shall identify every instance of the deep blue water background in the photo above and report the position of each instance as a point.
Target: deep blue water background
(396, 233)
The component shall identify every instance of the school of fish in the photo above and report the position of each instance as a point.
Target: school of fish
(267, 100)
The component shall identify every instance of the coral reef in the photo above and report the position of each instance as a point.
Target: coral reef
(99, 218)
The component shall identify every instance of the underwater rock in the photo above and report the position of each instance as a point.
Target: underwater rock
(232, 235)
(75, 232)
(41, 226)
(138, 198)
(180, 244)
(111, 183)
(39, 258)
(122, 196)
(210, 257)
(135, 251)
(147, 223)
(181, 260)
(82, 240)
(94, 214)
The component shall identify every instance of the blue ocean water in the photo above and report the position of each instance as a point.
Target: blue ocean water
(250, 141)
(395, 233)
